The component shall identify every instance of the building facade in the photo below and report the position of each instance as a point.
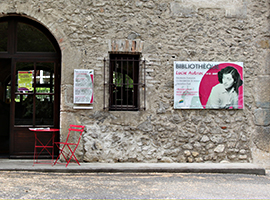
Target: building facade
(131, 46)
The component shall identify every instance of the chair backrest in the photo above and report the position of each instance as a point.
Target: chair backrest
(75, 128)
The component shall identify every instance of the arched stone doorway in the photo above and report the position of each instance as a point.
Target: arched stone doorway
(29, 84)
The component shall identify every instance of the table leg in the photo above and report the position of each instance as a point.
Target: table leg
(44, 147)
(35, 149)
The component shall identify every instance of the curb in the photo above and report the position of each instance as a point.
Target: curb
(222, 168)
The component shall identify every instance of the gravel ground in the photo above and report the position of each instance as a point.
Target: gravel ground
(35, 185)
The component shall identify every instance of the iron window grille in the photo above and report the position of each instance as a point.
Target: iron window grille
(126, 73)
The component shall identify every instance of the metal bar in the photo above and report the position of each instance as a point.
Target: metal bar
(144, 86)
(133, 78)
(127, 84)
(111, 86)
(122, 83)
(104, 84)
(133, 93)
(114, 84)
(139, 83)
(110, 82)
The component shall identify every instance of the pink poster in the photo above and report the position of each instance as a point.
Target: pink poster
(208, 85)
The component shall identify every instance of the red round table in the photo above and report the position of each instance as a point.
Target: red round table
(43, 147)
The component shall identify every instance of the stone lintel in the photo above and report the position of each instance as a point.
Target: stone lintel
(126, 46)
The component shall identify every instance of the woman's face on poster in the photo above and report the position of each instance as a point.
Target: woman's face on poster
(227, 80)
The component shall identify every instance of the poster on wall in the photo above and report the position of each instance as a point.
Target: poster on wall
(208, 85)
(25, 81)
(83, 86)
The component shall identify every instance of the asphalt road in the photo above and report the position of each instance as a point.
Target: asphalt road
(35, 185)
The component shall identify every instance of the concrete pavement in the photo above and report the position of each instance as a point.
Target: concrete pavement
(235, 168)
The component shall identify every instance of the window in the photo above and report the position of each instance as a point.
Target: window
(30, 39)
(124, 82)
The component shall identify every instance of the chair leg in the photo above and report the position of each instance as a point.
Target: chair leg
(72, 155)
(62, 152)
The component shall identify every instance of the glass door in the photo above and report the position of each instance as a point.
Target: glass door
(30, 76)
(35, 100)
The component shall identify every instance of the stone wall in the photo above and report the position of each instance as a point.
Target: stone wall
(183, 30)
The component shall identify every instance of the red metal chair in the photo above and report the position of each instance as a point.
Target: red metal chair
(67, 149)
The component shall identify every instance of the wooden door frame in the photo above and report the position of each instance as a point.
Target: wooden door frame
(30, 57)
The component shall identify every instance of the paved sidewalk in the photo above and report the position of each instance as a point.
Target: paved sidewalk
(235, 168)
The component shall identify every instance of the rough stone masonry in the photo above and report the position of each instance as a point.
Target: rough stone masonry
(180, 30)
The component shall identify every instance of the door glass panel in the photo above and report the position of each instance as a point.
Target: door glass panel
(30, 39)
(44, 109)
(44, 84)
(4, 36)
(24, 93)
(45, 78)
(23, 109)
